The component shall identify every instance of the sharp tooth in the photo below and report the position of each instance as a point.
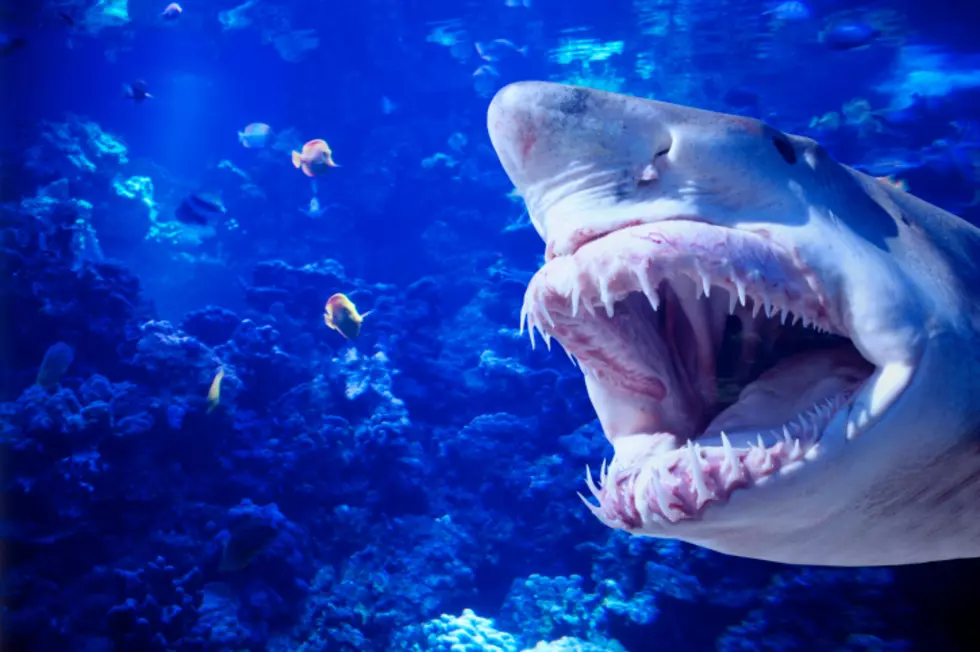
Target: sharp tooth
(547, 339)
(797, 452)
(589, 308)
(588, 480)
(641, 499)
(605, 297)
(758, 440)
(741, 291)
(783, 314)
(531, 327)
(610, 307)
(767, 462)
(806, 322)
(523, 317)
(596, 511)
(731, 303)
(662, 495)
(767, 304)
(571, 358)
(730, 457)
(648, 290)
(697, 475)
(547, 315)
(705, 284)
(786, 436)
(602, 472)
(576, 297)
(755, 308)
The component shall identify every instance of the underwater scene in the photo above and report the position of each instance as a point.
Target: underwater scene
(426, 325)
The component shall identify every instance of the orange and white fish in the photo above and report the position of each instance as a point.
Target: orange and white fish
(315, 159)
(172, 12)
(341, 315)
(892, 181)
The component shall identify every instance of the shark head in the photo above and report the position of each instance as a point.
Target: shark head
(782, 351)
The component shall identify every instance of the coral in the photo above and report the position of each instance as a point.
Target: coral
(464, 633)
(572, 644)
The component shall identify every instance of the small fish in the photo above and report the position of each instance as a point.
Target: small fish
(341, 315)
(200, 209)
(255, 135)
(57, 359)
(517, 3)
(315, 159)
(497, 49)
(485, 80)
(830, 121)
(67, 18)
(214, 393)
(892, 181)
(172, 12)
(849, 35)
(136, 91)
(789, 11)
(314, 206)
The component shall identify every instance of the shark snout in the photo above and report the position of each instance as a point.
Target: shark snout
(521, 119)
(574, 153)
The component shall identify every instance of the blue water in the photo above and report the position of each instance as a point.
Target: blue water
(412, 488)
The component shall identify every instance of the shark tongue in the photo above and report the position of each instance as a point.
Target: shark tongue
(795, 385)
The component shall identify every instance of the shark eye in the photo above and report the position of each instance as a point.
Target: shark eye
(785, 148)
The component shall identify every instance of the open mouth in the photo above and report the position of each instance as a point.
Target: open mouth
(714, 357)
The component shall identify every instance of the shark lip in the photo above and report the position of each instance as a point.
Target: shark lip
(669, 322)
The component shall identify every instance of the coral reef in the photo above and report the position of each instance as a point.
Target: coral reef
(335, 495)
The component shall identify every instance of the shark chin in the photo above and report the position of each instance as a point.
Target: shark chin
(781, 350)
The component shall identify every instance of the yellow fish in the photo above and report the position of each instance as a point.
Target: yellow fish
(315, 159)
(341, 315)
(214, 394)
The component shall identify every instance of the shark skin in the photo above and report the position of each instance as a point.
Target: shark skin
(684, 249)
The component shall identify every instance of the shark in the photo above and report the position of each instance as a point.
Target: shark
(782, 351)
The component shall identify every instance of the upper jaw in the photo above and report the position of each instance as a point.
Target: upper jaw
(601, 302)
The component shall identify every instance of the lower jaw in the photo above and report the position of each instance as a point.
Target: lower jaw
(659, 479)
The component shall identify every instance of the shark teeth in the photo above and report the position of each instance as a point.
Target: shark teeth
(676, 484)
(565, 287)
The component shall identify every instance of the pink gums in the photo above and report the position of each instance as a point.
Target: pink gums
(638, 258)
(676, 485)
